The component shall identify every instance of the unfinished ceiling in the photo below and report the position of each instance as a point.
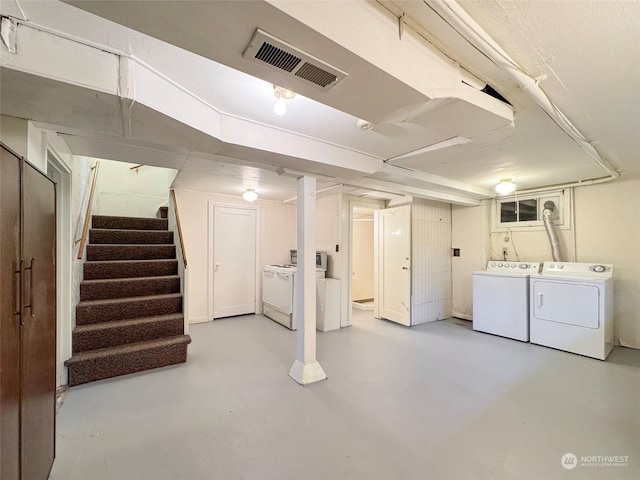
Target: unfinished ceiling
(584, 54)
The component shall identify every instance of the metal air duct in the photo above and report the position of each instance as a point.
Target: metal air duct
(549, 208)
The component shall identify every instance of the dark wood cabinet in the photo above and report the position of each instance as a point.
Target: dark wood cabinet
(27, 320)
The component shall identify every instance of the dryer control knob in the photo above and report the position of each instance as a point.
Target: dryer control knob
(499, 265)
(551, 266)
(513, 265)
(560, 267)
(524, 266)
(598, 268)
(493, 264)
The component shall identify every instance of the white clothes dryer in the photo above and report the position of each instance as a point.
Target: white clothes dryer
(572, 308)
(501, 299)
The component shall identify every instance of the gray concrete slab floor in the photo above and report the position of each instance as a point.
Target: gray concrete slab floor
(438, 401)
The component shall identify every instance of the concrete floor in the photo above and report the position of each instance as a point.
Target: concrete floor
(438, 401)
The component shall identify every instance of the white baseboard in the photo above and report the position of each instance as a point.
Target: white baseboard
(193, 320)
(360, 306)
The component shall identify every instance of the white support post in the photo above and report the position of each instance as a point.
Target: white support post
(305, 368)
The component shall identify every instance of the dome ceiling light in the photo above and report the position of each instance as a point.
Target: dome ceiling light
(250, 195)
(282, 94)
(505, 187)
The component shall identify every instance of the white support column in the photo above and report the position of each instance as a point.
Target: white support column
(305, 368)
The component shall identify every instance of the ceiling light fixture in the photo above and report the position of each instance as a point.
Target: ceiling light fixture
(364, 124)
(250, 195)
(505, 186)
(282, 94)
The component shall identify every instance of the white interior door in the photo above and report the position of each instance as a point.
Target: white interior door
(234, 261)
(393, 227)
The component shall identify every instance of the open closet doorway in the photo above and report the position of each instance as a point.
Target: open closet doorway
(362, 258)
(360, 295)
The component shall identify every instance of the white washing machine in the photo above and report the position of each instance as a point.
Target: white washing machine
(501, 299)
(572, 308)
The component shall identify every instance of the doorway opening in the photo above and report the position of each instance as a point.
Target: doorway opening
(362, 258)
(358, 217)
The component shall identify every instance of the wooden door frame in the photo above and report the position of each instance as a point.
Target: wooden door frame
(211, 206)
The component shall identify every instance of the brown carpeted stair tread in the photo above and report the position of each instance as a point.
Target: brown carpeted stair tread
(124, 359)
(130, 347)
(107, 251)
(129, 321)
(117, 236)
(129, 223)
(111, 288)
(94, 311)
(95, 336)
(103, 269)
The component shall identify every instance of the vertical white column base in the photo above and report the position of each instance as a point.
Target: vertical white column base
(307, 373)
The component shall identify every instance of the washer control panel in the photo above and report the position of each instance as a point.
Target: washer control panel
(580, 269)
(516, 268)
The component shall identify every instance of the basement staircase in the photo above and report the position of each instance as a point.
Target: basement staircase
(129, 318)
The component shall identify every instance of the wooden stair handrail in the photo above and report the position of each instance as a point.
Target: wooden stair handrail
(87, 218)
(175, 209)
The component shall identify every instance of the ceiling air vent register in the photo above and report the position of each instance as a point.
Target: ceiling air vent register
(275, 54)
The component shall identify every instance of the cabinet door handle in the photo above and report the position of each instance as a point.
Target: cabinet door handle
(18, 296)
(30, 305)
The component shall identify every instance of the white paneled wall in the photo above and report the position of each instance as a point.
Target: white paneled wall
(431, 259)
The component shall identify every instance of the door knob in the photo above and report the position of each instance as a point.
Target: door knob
(217, 266)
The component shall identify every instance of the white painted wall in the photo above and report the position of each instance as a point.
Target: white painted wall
(13, 133)
(80, 184)
(431, 259)
(362, 260)
(131, 193)
(277, 232)
(471, 234)
(606, 226)
(37, 146)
